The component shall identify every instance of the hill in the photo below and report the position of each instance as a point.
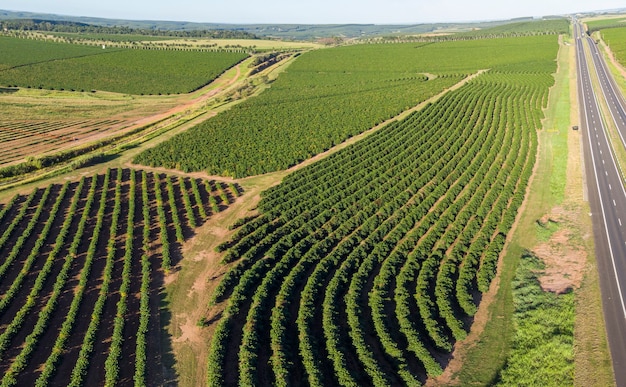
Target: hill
(283, 31)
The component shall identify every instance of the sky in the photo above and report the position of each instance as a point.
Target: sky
(311, 11)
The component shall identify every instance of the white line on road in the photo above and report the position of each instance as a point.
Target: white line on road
(606, 227)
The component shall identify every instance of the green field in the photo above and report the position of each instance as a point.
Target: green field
(533, 27)
(110, 37)
(604, 23)
(616, 39)
(366, 267)
(48, 65)
(327, 96)
(79, 256)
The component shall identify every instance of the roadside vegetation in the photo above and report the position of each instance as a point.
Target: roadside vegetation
(542, 353)
(615, 38)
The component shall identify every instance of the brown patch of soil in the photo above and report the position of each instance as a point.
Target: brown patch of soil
(564, 257)
(189, 331)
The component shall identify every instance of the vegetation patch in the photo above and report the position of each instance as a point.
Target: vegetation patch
(327, 96)
(83, 268)
(615, 38)
(61, 66)
(366, 267)
(543, 344)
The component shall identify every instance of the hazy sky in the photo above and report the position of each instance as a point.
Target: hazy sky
(311, 11)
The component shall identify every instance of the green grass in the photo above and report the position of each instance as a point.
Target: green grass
(595, 25)
(48, 65)
(543, 346)
(616, 40)
(545, 231)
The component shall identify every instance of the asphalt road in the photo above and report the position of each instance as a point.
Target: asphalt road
(607, 196)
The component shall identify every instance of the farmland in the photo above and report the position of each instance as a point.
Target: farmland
(83, 268)
(385, 246)
(21, 139)
(62, 66)
(327, 96)
(363, 266)
(616, 38)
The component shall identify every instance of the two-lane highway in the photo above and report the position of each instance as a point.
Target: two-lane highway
(607, 197)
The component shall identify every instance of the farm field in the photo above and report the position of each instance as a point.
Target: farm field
(82, 274)
(363, 267)
(366, 267)
(533, 27)
(52, 121)
(257, 44)
(109, 37)
(327, 96)
(604, 21)
(62, 66)
(21, 139)
(615, 38)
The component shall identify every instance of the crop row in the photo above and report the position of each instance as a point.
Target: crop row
(327, 96)
(73, 251)
(23, 138)
(366, 267)
(50, 65)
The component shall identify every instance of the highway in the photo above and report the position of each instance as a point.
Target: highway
(607, 196)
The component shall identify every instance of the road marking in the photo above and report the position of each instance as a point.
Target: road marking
(620, 221)
(606, 173)
(614, 204)
(602, 161)
(606, 227)
(610, 187)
